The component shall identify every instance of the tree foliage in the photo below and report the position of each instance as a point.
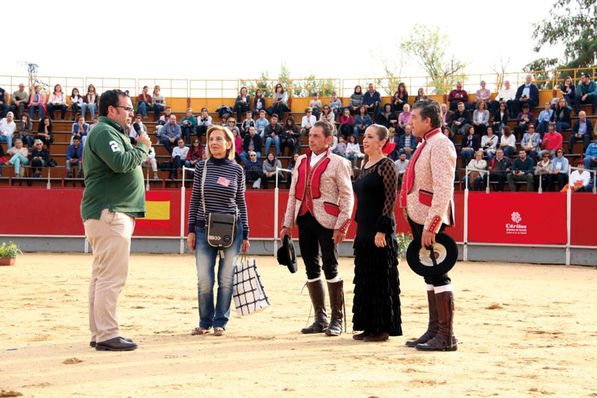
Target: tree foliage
(572, 24)
(304, 87)
(428, 46)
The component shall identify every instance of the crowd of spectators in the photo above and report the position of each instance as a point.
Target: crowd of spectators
(531, 151)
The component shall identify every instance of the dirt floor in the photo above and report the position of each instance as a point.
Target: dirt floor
(526, 330)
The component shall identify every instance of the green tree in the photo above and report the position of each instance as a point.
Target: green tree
(573, 25)
(428, 46)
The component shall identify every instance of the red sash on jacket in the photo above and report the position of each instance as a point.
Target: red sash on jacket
(409, 175)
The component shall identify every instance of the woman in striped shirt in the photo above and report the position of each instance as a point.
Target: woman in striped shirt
(222, 192)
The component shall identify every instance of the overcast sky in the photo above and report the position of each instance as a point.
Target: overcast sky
(240, 39)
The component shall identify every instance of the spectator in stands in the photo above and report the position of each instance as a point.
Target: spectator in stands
(522, 170)
(170, 133)
(19, 101)
(90, 102)
(269, 169)
(524, 118)
(179, 156)
(340, 148)
(247, 122)
(74, 156)
(137, 127)
(4, 108)
(552, 140)
(401, 165)
(531, 142)
(527, 94)
(327, 114)
(461, 119)
(164, 118)
(421, 96)
(39, 158)
(400, 98)
(346, 124)
(252, 143)
(279, 102)
(483, 95)
(372, 99)
(407, 143)
(489, 144)
(150, 162)
(579, 179)
(80, 130)
(481, 118)
(203, 122)
(500, 117)
(7, 129)
(356, 100)
(290, 137)
(387, 118)
(558, 172)
(316, 105)
(258, 103)
(307, 122)
(542, 169)
(447, 115)
(470, 145)
(403, 119)
(253, 168)
(290, 167)
(57, 101)
(261, 124)
(158, 102)
(505, 95)
(25, 130)
(449, 133)
(231, 124)
(76, 101)
(196, 152)
(591, 155)
(272, 134)
(561, 116)
(544, 118)
(19, 157)
(586, 93)
(335, 104)
(144, 102)
(507, 142)
(499, 169)
(353, 150)
(93, 123)
(238, 146)
(242, 103)
(361, 122)
(581, 131)
(37, 101)
(456, 96)
(568, 91)
(477, 169)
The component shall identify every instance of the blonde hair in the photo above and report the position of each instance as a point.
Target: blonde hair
(229, 137)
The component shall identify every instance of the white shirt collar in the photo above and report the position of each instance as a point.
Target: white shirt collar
(316, 158)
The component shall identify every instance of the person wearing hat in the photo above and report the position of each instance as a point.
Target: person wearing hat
(426, 194)
(320, 202)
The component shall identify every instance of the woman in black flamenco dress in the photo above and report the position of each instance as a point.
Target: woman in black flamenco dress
(376, 306)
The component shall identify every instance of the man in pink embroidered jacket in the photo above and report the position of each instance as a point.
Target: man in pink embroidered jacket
(427, 194)
(320, 203)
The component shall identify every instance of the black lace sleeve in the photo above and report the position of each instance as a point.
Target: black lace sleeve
(387, 170)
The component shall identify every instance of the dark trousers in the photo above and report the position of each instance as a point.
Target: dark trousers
(53, 108)
(417, 231)
(240, 110)
(586, 140)
(4, 110)
(201, 130)
(291, 143)
(312, 238)
(591, 99)
(560, 178)
(500, 179)
(187, 131)
(157, 111)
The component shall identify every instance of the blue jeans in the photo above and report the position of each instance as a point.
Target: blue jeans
(143, 108)
(7, 139)
(157, 111)
(92, 108)
(40, 111)
(205, 257)
(467, 155)
(561, 126)
(268, 143)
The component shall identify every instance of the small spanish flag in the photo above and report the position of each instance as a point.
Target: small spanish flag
(157, 211)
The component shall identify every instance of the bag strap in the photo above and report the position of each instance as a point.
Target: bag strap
(203, 187)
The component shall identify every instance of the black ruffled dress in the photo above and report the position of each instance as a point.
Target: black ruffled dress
(376, 306)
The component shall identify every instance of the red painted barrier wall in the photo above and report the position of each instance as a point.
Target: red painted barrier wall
(38, 211)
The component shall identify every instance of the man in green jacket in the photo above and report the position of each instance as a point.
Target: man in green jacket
(114, 195)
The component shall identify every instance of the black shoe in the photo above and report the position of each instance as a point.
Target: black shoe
(115, 344)
(93, 343)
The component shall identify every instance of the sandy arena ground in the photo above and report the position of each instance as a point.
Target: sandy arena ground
(526, 330)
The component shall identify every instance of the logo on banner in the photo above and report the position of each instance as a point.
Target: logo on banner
(516, 228)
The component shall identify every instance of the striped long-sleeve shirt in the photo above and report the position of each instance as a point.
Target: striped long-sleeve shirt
(224, 193)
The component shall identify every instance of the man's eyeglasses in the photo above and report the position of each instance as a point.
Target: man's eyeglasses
(126, 108)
